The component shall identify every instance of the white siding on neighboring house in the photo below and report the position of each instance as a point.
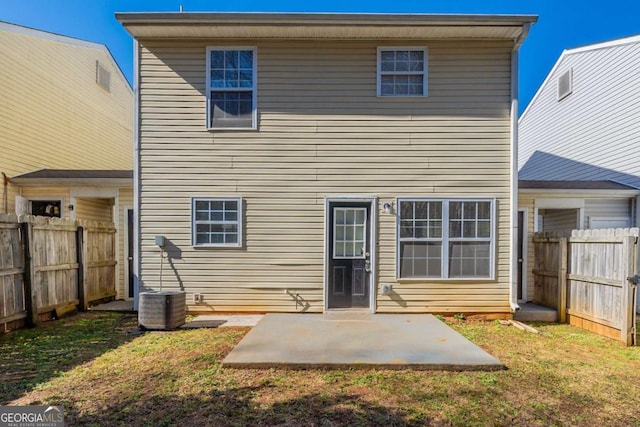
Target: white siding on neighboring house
(591, 134)
(322, 131)
(598, 212)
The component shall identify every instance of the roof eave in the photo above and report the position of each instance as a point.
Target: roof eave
(72, 182)
(322, 25)
(566, 192)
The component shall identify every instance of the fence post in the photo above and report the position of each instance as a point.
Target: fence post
(82, 305)
(562, 280)
(628, 301)
(85, 267)
(30, 301)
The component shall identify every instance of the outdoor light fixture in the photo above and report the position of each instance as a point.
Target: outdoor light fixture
(387, 207)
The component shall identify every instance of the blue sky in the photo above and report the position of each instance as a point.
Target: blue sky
(562, 23)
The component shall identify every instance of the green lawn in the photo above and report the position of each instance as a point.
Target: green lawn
(107, 373)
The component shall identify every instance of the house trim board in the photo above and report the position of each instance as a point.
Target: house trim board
(513, 170)
(558, 203)
(586, 193)
(97, 193)
(373, 232)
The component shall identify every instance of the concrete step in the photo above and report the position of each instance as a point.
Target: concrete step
(535, 313)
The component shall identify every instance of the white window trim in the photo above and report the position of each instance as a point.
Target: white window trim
(424, 72)
(240, 202)
(208, 89)
(445, 239)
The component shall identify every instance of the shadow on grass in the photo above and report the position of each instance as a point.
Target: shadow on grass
(29, 357)
(241, 407)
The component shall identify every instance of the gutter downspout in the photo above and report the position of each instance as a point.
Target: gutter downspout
(136, 174)
(513, 208)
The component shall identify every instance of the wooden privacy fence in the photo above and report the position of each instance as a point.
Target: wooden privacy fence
(588, 277)
(51, 265)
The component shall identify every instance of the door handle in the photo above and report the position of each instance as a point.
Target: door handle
(367, 266)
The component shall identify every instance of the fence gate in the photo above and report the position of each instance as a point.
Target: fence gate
(587, 277)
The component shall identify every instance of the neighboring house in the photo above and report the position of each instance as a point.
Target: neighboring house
(66, 132)
(311, 162)
(578, 151)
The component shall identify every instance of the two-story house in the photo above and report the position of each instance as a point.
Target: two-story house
(66, 133)
(312, 162)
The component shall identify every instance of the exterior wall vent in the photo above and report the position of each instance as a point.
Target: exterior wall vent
(565, 84)
(103, 77)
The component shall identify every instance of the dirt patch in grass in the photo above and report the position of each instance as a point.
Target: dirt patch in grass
(564, 376)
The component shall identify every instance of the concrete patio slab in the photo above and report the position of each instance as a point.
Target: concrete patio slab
(391, 341)
(221, 321)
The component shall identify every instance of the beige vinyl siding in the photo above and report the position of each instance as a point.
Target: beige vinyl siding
(322, 131)
(9, 193)
(94, 209)
(125, 197)
(54, 115)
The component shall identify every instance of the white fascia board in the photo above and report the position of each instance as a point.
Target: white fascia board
(543, 85)
(601, 194)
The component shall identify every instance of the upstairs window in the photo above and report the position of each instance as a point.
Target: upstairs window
(402, 71)
(231, 88)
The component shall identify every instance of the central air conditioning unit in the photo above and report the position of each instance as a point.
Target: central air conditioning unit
(164, 310)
